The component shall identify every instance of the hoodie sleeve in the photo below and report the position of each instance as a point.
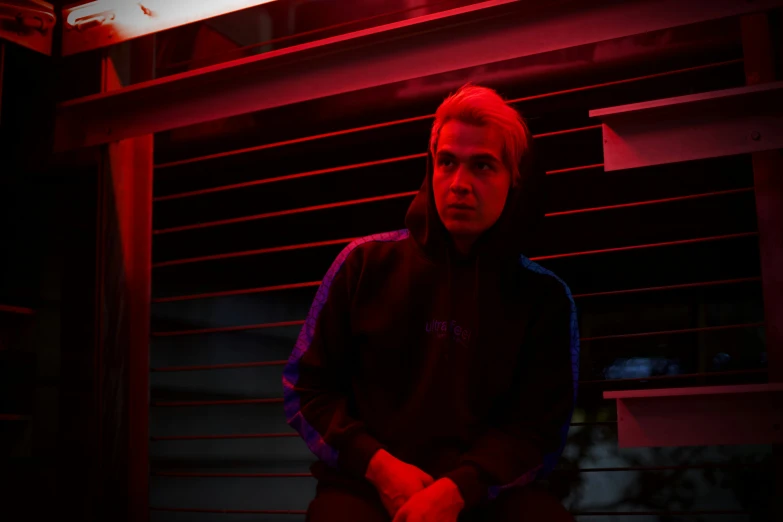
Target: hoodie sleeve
(316, 382)
(531, 425)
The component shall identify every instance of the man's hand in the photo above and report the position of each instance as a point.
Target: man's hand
(441, 502)
(395, 480)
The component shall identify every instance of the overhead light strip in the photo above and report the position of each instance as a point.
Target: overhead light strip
(101, 23)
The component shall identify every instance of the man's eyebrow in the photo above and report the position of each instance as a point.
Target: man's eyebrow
(475, 157)
(486, 156)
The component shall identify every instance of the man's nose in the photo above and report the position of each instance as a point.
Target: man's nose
(461, 181)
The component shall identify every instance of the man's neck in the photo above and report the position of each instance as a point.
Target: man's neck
(463, 244)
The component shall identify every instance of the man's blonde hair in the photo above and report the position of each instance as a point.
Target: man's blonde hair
(476, 105)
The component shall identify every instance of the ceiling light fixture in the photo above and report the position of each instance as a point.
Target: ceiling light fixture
(99, 23)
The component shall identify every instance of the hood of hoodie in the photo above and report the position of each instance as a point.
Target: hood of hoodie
(515, 232)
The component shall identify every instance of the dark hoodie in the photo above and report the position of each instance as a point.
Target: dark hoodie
(463, 365)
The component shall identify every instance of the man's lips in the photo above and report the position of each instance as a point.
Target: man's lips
(461, 206)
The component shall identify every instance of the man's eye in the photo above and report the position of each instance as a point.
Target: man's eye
(446, 162)
(481, 166)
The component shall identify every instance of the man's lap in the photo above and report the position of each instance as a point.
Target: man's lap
(338, 503)
(360, 503)
(531, 503)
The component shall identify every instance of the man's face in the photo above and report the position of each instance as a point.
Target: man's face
(470, 182)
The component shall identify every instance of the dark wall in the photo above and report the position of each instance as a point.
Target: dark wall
(47, 259)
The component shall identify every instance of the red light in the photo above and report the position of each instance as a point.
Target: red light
(121, 20)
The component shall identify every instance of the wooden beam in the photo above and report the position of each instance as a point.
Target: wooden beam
(697, 126)
(702, 416)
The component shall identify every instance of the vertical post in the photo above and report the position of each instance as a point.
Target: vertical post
(142, 69)
(768, 187)
(124, 272)
(768, 181)
(2, 69)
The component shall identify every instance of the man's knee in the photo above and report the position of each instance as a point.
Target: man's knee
(532, 503)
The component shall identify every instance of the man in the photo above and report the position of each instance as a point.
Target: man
(435, 376)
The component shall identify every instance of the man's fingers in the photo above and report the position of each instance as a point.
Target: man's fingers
(425, 477)
(401, 516)
(394, 506)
